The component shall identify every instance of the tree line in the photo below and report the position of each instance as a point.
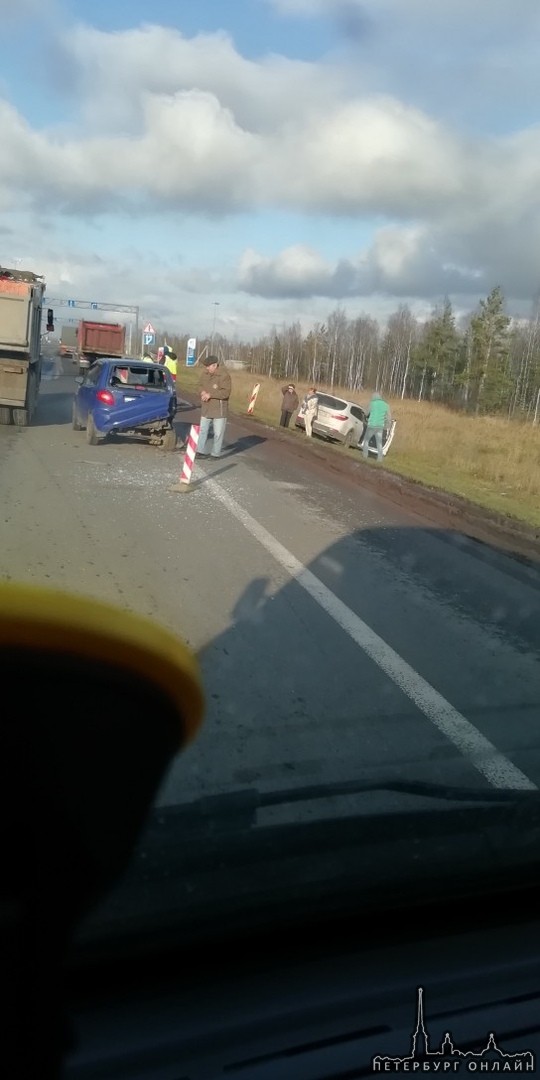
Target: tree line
(488, 363)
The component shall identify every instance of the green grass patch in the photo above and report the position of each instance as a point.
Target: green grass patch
(490, 461)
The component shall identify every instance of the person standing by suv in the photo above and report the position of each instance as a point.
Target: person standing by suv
(378, 419)
(309, 410)
(289, 404)
(215, 386)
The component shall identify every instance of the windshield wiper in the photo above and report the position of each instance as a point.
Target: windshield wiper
(238, 809)
(447, 792)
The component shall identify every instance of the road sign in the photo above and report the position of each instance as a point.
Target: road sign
(149, 339)
(149, 329)
(191, 358)
(61, 302)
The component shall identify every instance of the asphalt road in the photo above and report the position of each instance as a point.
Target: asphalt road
(340, 637)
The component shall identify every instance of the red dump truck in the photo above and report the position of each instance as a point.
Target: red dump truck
(21, 302)
(95, 339)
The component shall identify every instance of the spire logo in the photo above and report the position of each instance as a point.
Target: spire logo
(448, 1058)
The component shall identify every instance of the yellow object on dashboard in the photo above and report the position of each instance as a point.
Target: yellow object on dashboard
(59, 623)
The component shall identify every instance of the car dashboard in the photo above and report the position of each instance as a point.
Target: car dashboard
(331, 1002)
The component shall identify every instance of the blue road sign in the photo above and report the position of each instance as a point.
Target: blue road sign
(94, 307)
(71, 303)
(149, 339)
(191, 358)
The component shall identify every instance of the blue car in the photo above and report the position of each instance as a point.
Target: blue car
(123, 396)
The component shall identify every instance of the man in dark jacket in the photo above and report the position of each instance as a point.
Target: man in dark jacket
(215, 387)
(289, 404)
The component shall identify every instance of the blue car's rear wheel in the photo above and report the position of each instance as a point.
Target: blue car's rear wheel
(91, 433)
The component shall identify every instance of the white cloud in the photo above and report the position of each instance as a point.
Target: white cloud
(298, 284)
(154, 60)
(193, 124)
(169, 125)
(479, 68)
(375, 155)
(174, 300)
(356, 157)
(400, 262)
(297, 271)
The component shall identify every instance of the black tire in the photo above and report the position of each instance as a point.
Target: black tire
(169, 440)
(74, 422)
(348, 440)
(91, 433)
(5, 414)
(21, 417)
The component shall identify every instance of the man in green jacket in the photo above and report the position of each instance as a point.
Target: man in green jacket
(378, 420)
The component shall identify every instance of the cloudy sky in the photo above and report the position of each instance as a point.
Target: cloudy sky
(264, 161)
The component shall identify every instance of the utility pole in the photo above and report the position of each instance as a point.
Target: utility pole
(216, 305)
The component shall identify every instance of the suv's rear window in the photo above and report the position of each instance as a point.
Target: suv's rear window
(330, 402)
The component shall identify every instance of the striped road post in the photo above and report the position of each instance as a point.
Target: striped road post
(189, 460)
(253, 398)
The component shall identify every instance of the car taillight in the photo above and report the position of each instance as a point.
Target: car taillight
(339, 416)
(105, 397)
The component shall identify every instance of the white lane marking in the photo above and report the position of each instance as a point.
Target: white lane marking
(490, 762)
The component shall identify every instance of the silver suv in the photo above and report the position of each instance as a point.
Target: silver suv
(345, 422)
(337, 419)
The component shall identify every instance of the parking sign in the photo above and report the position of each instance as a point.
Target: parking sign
(191, 358)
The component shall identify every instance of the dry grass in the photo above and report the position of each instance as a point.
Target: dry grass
(490, 461)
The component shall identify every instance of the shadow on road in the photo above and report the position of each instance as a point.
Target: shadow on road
(53, 409)
(440, 601)
(305, 707)
(247, 442)
(200, 481)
